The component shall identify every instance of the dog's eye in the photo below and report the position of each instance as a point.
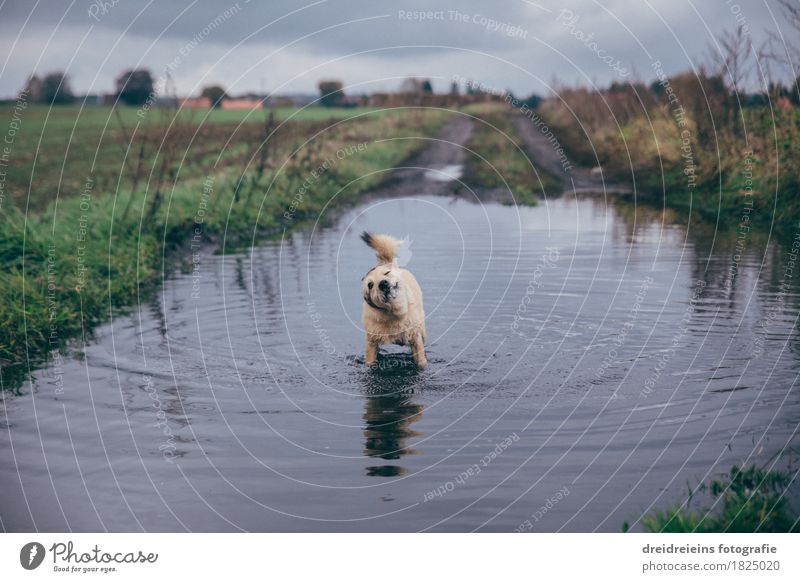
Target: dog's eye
(370, 284)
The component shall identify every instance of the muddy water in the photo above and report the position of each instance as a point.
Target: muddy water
(586, 362)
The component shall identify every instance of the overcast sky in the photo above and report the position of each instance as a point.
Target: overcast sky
(287, 46)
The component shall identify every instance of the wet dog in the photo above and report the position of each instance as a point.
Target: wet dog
(392, 311)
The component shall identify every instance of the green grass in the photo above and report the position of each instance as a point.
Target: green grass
(499, 160)
(61, 117)
(56, 148)
(66, 266)
(746, 500)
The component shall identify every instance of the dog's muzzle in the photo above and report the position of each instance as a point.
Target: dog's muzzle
(388, 291)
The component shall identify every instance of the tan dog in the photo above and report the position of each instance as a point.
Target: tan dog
(392, 312)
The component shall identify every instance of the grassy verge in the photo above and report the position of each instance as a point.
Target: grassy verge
(65, 268)
(499, 160)
(692, 148)
(747, 500)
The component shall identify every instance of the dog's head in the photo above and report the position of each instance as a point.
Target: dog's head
(382, 288)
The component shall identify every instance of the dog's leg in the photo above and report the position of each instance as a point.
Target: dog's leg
(371, 354)
(418, 351)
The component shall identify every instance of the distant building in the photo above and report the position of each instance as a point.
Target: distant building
(196, 103)
(242, 103)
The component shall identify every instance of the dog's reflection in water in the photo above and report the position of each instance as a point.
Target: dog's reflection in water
(389, 411)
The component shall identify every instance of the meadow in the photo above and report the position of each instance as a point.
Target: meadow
(57, 147)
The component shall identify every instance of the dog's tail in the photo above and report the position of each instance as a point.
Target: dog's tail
(384, 246)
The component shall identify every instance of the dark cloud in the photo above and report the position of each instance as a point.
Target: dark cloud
(281, 44)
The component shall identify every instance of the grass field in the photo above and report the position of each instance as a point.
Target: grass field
(56, 148)
(65, 117)
(109, 199)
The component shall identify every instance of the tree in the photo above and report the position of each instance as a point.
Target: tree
(533, 101)
(55, 89)
(731, 56)
(216, 93)
(331, 94)
(33, 89)
(415, 85)
(135, 87)
(454, 88)
(791, 13)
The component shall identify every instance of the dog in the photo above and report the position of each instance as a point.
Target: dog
(392, 312)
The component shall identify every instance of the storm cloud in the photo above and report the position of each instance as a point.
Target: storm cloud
(285, 46)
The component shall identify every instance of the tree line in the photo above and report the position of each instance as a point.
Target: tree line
(138, 86)
(133, 87)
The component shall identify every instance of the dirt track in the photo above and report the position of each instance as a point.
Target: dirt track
(573, 178)
(426, 172)
(422, 173)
